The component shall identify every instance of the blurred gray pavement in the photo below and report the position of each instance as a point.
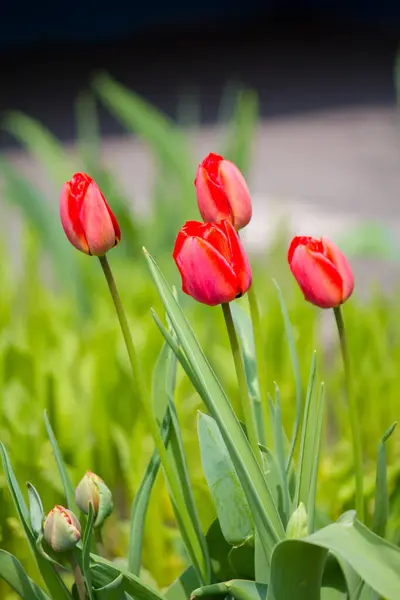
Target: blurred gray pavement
(327, 149)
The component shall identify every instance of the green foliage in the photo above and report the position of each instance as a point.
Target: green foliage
(61, 351)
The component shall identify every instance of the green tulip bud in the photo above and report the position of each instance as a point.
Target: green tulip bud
(61, 529)
(92, 490)
(298, 523)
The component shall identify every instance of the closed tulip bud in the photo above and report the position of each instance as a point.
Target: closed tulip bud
(61, 529)
(88, 221)
(92, 490)
(212, 262)
(321, 270)
(222, 192)
(298, 523)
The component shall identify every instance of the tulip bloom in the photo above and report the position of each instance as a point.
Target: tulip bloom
(212, 262)
(222, 192)
(321, 270)
(88, 221)
(61, 529)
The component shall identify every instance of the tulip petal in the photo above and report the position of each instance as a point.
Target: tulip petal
(211, 198)
(97, 223)
(69, 214)
(206, 275)
(237, 192)
(239, 260)
(337, 257)
(317, 277)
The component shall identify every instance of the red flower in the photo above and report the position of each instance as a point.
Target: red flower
(321, 270)
(222, 192)
(212, 262)
(86, 217)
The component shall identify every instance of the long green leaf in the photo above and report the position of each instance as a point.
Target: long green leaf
(87, 541)
(227, 493)
(53, 582)
(312, 496)
(13, 573)
(239, 589)
(296, 369)
(104, 572)
(279, 444)
(244, 329)
(141, 502)
(69, 489)
(35, 509)
(259, 496)
(164, 381)
(183, 586)
(242, 129)
(375, 560)
(381, 512)
(307, 443)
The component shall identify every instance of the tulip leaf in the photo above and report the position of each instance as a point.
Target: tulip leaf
(317, 428)
(69, 489)
(227, 493)
(112, 590)
(86, 545)
(259, 497)
(305, 462)
(53, 581)
(104, 572)
(183, 586)
(239, 589)
(375, 560)
(141, 502)
(242, 129)
(244, 329)
(164, 380)
(296, 370)
(381, 487)
(13, 573)
(280, 455)
(35, 510)
(219, 553)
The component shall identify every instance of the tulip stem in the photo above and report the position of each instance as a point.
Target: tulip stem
(195, 548)
(80, 582)
(353, 416)
(261, 364)
(245, 401)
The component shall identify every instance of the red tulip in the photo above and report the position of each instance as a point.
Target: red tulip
(222, 192)
(86, 217)
(212, 262)
(321, 270)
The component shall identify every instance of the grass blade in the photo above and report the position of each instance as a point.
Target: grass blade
(69, 489)
(307, 443)
(141, 502)
(296, 369)
(312, 497)
(381, 512)
(87, 542)
(279, 442)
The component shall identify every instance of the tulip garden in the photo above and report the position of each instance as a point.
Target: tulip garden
(186, 427)
(267, 539)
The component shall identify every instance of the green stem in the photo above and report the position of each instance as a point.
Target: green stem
(245, 400)
(353, 416)
(80, 582)
(173, 481)
(261, 363)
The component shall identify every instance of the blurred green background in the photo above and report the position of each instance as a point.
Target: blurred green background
(61, 348)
